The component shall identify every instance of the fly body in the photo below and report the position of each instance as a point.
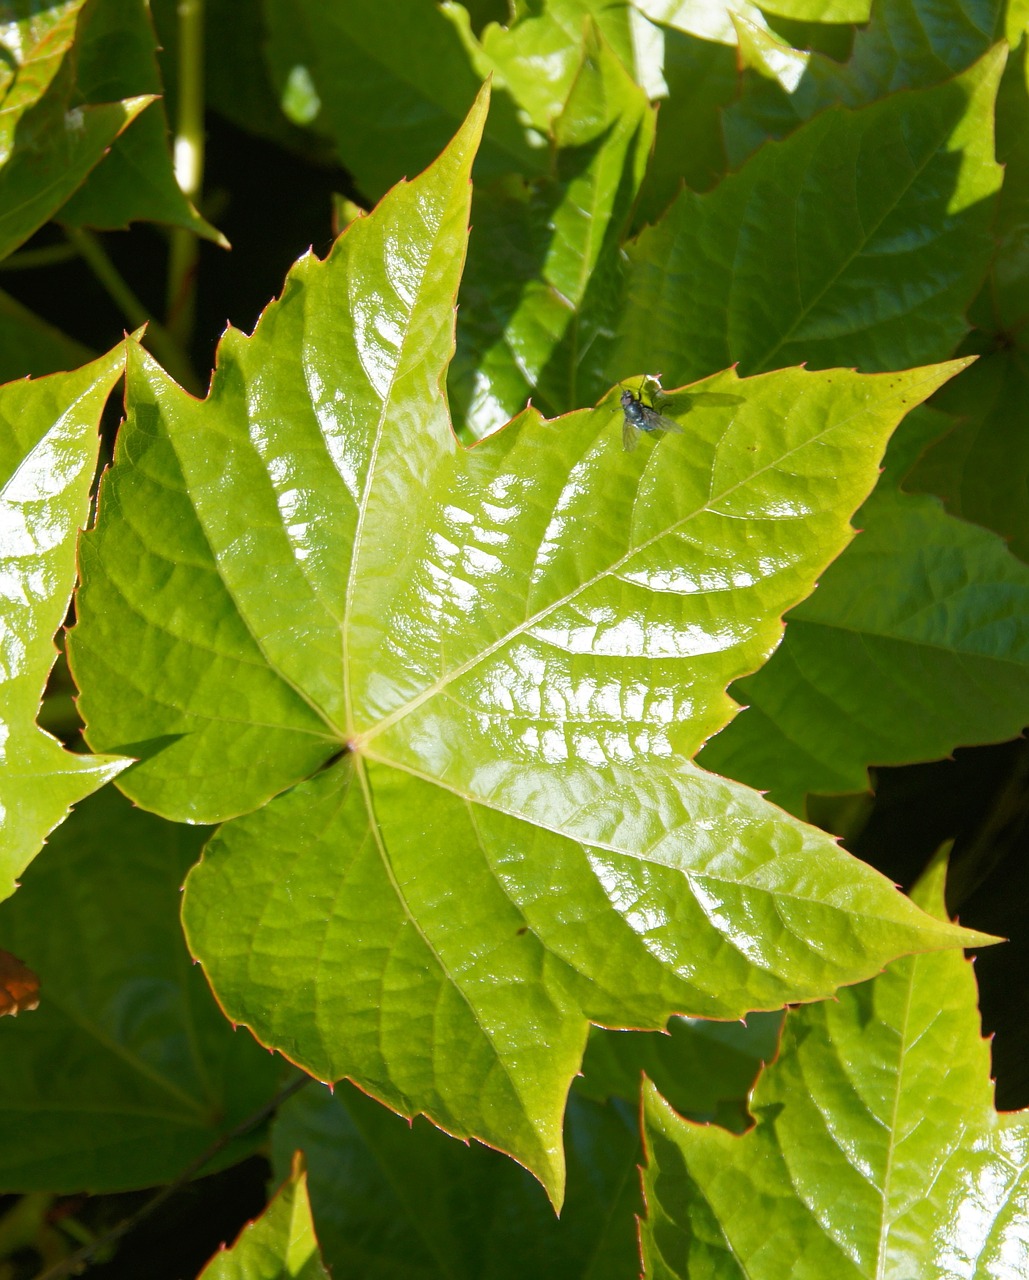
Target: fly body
(639, 416)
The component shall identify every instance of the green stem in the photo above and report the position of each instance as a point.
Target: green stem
(28, 259)
(157, 339)
(189, 169)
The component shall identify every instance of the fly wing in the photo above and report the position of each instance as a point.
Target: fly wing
(630, 436)
(658, 422)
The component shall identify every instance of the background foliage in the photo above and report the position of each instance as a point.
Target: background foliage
(447, 852)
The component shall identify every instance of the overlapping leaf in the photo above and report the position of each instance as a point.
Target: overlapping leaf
(409, 74)
(908, 44)
(544, 266)
(48, 450)
(914, 643)
(480, 672)
(401, 1201)
(876, 1152)
(49, 138)
(127, 1069)
(280, 1245)
(115, 59)
(861, 240)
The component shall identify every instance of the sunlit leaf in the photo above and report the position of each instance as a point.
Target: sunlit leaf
(115, 59)
(877, 1150)
(48, 450)
(471, 680)
(280, 1245)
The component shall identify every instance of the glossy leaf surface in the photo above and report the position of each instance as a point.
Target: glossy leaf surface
(127, 1070)
(405, 1202)
(280, 1245)
(48, 450)
(475, 695)
(49, 138)
(877, 1151)
(914, 643)
(756, 272)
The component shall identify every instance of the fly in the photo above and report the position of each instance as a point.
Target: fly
(638, 416)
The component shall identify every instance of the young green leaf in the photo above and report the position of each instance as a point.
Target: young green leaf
(127, 1069)
(474, 676)
(48, 450)
(757, 272)
(279, 1245)
(877, 1150)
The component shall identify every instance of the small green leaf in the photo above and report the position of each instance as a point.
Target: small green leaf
(127, 1070)
(116, 59)
(755, 271)
(49, 138)
(48, 450)
(279, 1245)
(399, 1201)
(468, 699)
(877, 1151)
(913, 644)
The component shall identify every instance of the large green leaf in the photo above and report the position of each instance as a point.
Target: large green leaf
(475, 677)
(49, 138)
(398, 1201)
(860, 239)
(127, 1069)
(913, 644)
(48, 450)
(543, 269)
(877, 1151)
(280, 1245)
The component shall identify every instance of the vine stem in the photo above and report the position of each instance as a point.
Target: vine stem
(77, 1262)
(157, 338)
(189, 169)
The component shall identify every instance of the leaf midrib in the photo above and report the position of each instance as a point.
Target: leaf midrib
(361, 739)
